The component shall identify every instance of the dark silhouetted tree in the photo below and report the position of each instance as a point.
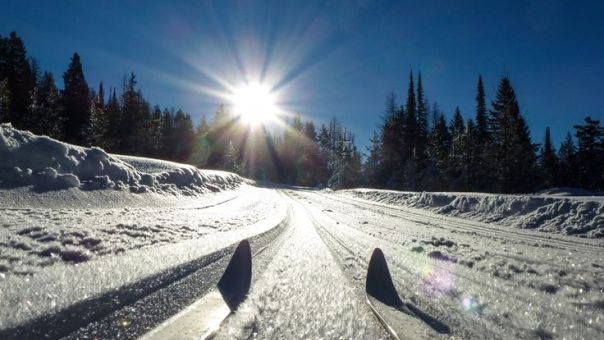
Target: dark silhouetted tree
(548, 162)
(76, 103)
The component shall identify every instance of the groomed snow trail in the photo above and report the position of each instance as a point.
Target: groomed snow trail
(52, 259)
(482, 280)
(303, 294)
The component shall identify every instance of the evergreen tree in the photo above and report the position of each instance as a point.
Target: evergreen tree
(439, 151)
(100, 100)
(471, 158)
(45, 108)
(130, 124)
(20, 79)
(410, 123)
(590, 154)
(232, 159)
(114, 120)
(422, 119)
(567, 163)
(167, 134)
(513, 154)
(373, 163)
(154, 134)
(548, 162)
(391, 144)
(483, 181)
(182, 137)
(76, 103)
(5, 96)
(458, 152)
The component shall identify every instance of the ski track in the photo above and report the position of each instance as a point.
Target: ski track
(54, 258)
(480, 280)
(303, 294)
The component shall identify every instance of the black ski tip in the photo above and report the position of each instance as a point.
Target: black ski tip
(379, 283)
(237, 278)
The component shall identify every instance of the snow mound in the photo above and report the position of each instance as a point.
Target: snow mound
(565, 192)
(583, 217)
(48, 164)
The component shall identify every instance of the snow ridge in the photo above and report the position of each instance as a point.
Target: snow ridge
(48, 164)
(571, 216)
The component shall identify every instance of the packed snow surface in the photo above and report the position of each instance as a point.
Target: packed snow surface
(582, 216)
(482, 280)
(303, 294)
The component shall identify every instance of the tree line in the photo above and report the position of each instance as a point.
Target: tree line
(126, 123)
(121, 122)
(300, 154)
(416, 148)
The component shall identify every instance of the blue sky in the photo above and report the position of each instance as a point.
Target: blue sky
(328, 58)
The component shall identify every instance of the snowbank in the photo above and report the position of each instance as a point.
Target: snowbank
(47, 164)
(582, 216)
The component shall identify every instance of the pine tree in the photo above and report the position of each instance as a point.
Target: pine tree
(513, 154)
(548, 162)
(458, 152)
(373, 163)
(567, 163)
(113, 141)
(232, 159)
(100, 100)
(182, 136)
(20, 79)
(471, 158)
(154, 141)
(410, 131)
(422, 120)
(45, 108)
(76, 103)
(590, 154)
(391, 144)
(167, 134)
(4, 101)
(484, 179)
(439, 151)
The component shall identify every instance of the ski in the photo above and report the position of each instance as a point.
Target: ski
(395, 315)
(202, 319)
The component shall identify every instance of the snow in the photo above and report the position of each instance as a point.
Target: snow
(581, 216)
(74, 254)
(77, 223)
(47, 164)
(482, 280)
(303, 294)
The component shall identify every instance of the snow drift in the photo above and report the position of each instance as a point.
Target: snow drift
(582, 216)
(47, 164)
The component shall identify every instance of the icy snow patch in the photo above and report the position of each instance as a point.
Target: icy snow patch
(571, 216)
(48, 164)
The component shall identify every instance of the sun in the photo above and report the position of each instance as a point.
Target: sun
(254, 103)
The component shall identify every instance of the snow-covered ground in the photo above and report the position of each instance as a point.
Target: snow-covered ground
(577, 215)
(303, 294)
(482, 280)
(77, 223)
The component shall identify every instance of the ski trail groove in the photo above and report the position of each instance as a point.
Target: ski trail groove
(333, 244)
(503, 232)
(302, 294)
(133, 309)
